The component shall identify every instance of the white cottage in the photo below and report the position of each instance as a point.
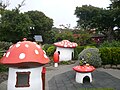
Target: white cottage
(25, 60)
(65, 49)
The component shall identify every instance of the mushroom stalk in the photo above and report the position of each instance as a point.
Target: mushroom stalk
(56, 59)
(55, 64)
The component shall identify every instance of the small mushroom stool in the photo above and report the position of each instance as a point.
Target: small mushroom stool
(82, 72)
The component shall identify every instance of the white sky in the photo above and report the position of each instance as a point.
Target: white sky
(61, 11)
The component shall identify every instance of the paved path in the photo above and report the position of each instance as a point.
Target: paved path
(63, 78)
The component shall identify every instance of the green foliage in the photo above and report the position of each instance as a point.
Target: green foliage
(82, 37)
(90, 47)
(110, 44)
(110, 55)
(91, 56)
(75, 54)
(41, 23)
(1, 52)
(14, 26)
(79, 48)
(64, 35)
(50, 51)
(103, 20)
(3, 68)
(49, 37)
(46, 46)
(5, 45)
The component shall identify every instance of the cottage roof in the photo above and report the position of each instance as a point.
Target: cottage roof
(84, 68)
(24, 52)
(66, 44)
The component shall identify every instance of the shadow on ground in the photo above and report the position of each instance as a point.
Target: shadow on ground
(66, 81)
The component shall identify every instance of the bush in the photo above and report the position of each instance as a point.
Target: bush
(91, 56)
(90, 47)
(75, 54)
(46, 46)
(79, 48)
(110, 55)
(110, 44)
(105, 55)
(3, 68)
(50, 51)
(5, 45)
(1, 52)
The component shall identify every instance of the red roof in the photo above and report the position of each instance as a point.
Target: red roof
(84, 68)
(24, 52)
(66, 44)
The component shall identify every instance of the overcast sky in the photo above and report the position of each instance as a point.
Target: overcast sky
(61, 11)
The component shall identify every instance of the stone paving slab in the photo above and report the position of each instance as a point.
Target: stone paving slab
(66, 81)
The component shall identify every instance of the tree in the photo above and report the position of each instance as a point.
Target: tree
(14, 26)
(102, 20)
(115, 7)
(40, 22)
(64, 35)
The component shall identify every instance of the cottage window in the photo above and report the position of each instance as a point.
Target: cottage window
(22, 79)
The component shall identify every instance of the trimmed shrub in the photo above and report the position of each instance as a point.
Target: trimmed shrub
(50, 51)
(105, 54)
(90, 47)
(91, 56)
(110, 55)
(79, 48)
(110, 44)
(46, 46)
(75, 54)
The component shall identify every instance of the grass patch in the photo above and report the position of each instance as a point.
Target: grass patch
(96, 89)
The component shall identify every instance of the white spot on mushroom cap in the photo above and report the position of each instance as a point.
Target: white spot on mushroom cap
(65, 45)
(26, 45)
(22, 56)
(36, 51)
(17, 45)
(8, 53)
(44, 52)
(45, 56)
(11, 46)
(34, 42)
(38, 46)
(4, 54)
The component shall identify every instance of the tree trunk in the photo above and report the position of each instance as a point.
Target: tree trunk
(110, 33)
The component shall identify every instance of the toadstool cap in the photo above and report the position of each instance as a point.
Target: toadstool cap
(84, 68)
(24, 52)
(66, 44)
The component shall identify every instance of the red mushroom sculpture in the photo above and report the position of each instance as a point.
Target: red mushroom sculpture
(25, 52)
(25, 60)
(56, 59)
(66, 49)
(66, 44)
(82, 72)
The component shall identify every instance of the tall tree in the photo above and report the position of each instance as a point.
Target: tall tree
(14, 25)
(102, 20)
(115, 7)
(40, 22)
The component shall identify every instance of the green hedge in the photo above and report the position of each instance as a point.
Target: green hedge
(79, 48)
(110, 55)
(50, 51)
(110, 44)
